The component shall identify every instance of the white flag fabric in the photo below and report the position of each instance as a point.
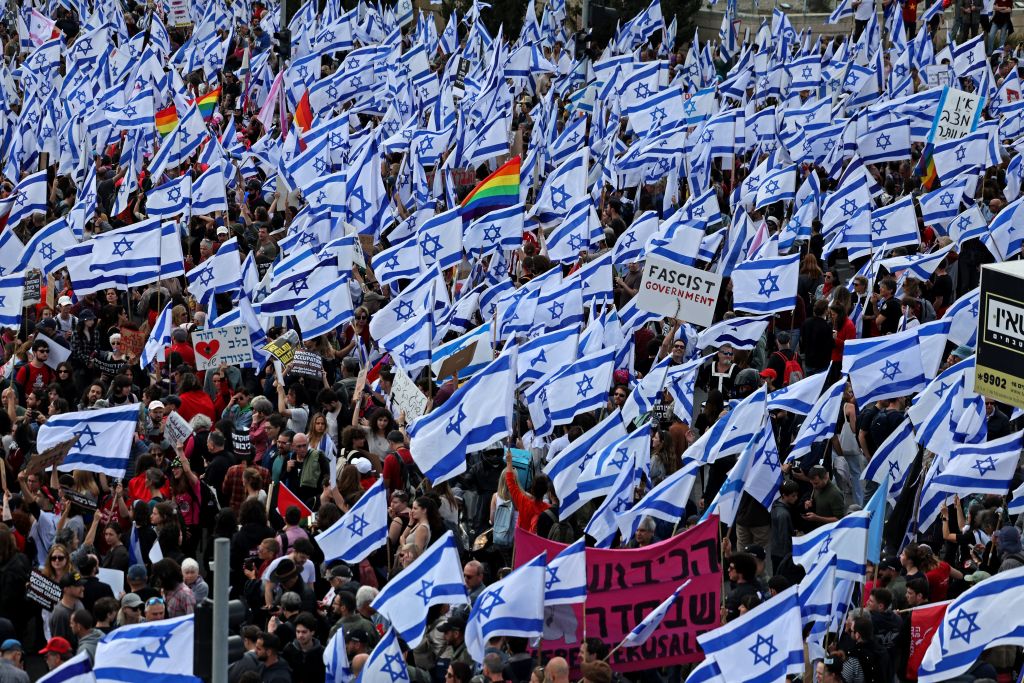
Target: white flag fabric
(513, 606)
(360, 531)
(104, 438)
(766, 285)
(78, 669)
(386, 662)
(566, 580)
(159, 338)
(846, 539)
(155, 651)
(646, 628)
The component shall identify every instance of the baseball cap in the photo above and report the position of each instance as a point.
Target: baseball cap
(363, 465)
(452, 624)
(64, 301)
(137, 572)
(977, 576)
(131, 600)
(11, 644)
(768, 373)
(57, 644)
(222, 230)
(70, 580)
(359, 636)
(153, 405)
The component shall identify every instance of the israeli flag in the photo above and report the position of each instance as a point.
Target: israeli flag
(545, 353)
(580, 387)
(477, 414)
(566, 580)
(152, 651)
(963, 314)
(325, 310)
(799, 397)
(29, 198)
(940, 206)
(630, 246)
(885, 142)
(893, 460)
(779, 185)
(103, 438)
(730, 434)
(402, 308)
(574, 234)
(895, 225)
(601, 473)
(338, 669)
(761, 646)
(981, 468)
(159, 338)
(218, 274)
(821, 421)
(78, 669)
(758, 472)
(884, 367)
(440, 240)
(766, 285)
(361, 530)
(386, 662)
(603, 526)
(846, 538)
(46, 249)
(987, 615)
(815, 592)
(501, 229)
(170, 199)
(741, 334)
(666, 501)
(513, 606)
(434, 578)
(565, 467)
(642, 632)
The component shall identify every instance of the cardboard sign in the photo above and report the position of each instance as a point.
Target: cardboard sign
(176, 429)
(132, 341)
(624, 586)
(457, 361)
(82, 500)
(360, 383)
(50, 457)
(33, 288)
(307, 364)
(58, 353)
(957, 116)
(179, 14)
(43, 591)
(407, 396)
(999, 369)
(679, 291)
(283, 348)
(229, 344)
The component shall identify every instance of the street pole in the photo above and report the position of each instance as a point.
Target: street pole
(221, 579)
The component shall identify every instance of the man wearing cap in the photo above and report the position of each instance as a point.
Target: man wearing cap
(1009, 546)
(66, 322)
(11, 664)
(57, 651)
(357, 642)
(72, 592)
(138, 582)
(454, 630)
(131, 610)
(35, 375)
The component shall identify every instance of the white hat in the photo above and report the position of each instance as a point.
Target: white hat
(64, 301)
(362, 464)
(153, 405)
(222, 230)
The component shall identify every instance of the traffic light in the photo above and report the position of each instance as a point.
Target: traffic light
(202, 663)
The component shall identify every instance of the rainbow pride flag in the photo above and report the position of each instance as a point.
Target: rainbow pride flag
(208, 103)
(497, 191)
(166, 120)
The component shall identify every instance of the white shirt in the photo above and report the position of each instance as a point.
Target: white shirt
(308, 572)
(864, 10)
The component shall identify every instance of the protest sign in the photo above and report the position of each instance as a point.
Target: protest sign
(58, 353)
(999, 369)
(457, 361)
(176, 429)
(242, 444)
(307, 364)
(679, 291)
(957, 116)
(283, 348)
(407, 396)
(82, 500)
(132, 341)
(623, 586)
(178, 14)
(43, 591)
(33, 288)
(51, 456)
(113, 578)
(229, 344)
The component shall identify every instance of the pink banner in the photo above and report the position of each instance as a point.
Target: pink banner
(624, 586)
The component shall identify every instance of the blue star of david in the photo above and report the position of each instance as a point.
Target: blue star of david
(807, 72)
(817, 423)
(878, 225)
(408, 351)
(205, 276)
(851, 79)
(705, 137)
(354, 64)
(769, 285)
(122, 246)
(20, 199)
(424, 593)
(751, 185)
(299, 284)
(455, 423)
(358, 525)
(576, 243)
(88, 433)
(390, 128)
(390, 262)
(689, 107)
(974, 309)
(540, 358)
(33, 119)
(160, 653)
(555, 309)
(130, 110)
(84, 44)
(322, 309)
(490, 601)
(431, 246)
(584, 386)
(901, 71)
(174, 194)
(894, 469)
(621, 504)
(641, 90)
(327, 36)
(883, 141)
(956, 629)
(771, 458)
(890, 370)
(357, 81)
(359, 214)
(984, 466)
(425, 146)
(552, 578)
(303, 71)
(772, 186)
(559, 197)
(960, 153)
(492, 233)
(763, 83)
(320, 197)
(849, 206)
(47, 131)
(824, 549)
(946, 200)
(403, 107)
(332, 91)
(319, 165)
(307, 238)
(755, 650)
(664, 165)
(403, 311)
(942, 388)
(628, 240)
(47, 251)
(620, 459)
(394, 666)
(697, 211)
(963, 223)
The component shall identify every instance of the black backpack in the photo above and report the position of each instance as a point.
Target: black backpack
(410, 474)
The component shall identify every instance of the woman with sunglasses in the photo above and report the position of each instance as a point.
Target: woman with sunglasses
(58, 565)
(65, 384)
(358, 328)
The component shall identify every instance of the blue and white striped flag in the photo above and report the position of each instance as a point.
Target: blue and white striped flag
(386, 662)
(46, 249)
(603, 524)
(325, 310)
(78, 669)
(766, 285)
(477, 414)
(757, 472)
(646, 628)
(884, 367)
(565, 467)
(135, 555)
(846, 538)
(566, 580)
(12, 289)
(893, 460)
(545, 353)
(434, 578)
(336, 664)
(741, 334)
(171, 198)
(361, 530)
(153, 651)
(666, 501)
(963, 315)
(513, 606)
(29, 198)
(798, 397)
(940, 206)
(821, 421)
(981, 468)
(761, 646)
(895, 225)
(575, 233)
(104, 438)
(990, 613)
(601, 473)
(159, 338)
(580, 387)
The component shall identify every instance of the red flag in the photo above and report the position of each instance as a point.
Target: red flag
(924, 623)
(304, 113)
(284, 499)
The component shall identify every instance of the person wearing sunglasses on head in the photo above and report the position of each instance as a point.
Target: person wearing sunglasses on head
(720, 373)
(35, 375)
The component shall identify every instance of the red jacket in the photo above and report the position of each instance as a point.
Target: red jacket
(528, 508)
(196, 402)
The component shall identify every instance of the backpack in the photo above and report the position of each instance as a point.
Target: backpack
(560, 531)
(792, 371)
(504, 529)
(410, 474)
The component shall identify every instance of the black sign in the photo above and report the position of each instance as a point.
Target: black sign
(33, 288)
(241, 443)
(43, 591)
(82, 500)
(307, 364)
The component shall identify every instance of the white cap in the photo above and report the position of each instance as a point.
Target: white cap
(64, 301)
(362, 464)
(153, 405)
(222, 230)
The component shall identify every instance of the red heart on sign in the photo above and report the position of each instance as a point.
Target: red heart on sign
(208, 349)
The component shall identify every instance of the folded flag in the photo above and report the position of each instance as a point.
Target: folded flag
(646, 628)
(78, 669)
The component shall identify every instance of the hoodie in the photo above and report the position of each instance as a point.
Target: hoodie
(307, 665)
(88, 642)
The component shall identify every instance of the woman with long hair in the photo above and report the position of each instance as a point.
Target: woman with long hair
(850, 463)
(811, 276)
(65, 384)
(843, 330)
(253, 482)
(262, 409)
(663, 456)
(58, 565)
(938, 572)
(380, 423)
(347, 489)
(318, 436)
(85, 345)
(187, 496)
(425, 525)
(353, 443)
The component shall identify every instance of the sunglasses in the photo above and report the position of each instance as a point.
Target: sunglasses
(154, 601)
(727, 354)
(58, 558)
(362, 317)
